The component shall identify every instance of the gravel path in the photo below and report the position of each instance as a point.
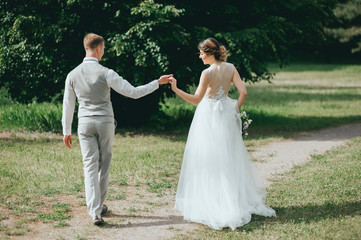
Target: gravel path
(162, 221)
(280, 157)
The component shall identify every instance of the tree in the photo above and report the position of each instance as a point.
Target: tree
(347, 30)
(143, 52)
(41, 41)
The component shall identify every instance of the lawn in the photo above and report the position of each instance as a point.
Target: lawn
(319, 200)
(316, 201)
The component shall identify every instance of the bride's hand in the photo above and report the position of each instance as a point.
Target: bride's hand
(173, 83)
(165, 79)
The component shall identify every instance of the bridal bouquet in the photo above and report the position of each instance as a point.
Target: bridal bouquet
(246, 121)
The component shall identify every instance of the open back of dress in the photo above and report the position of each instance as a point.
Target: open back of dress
(220, 77)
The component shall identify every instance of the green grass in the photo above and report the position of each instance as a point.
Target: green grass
(45, 117)
(319, 200)
(58, 214)
(121, 196)
(40, 166)
(49, 168)
(148, 160)
(36, 165)
(302, 97)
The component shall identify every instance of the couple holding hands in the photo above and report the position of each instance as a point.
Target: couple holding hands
(218, 186)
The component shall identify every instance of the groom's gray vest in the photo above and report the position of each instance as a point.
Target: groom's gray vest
(90, 85)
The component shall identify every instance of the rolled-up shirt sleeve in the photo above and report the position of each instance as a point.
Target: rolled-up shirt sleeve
(122, 86)
(68, 107)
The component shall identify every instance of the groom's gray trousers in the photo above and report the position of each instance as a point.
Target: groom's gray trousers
(96, 135)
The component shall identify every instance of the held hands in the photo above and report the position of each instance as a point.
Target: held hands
(165, 79)
(68, 140)
(168, 79)
(173, 83)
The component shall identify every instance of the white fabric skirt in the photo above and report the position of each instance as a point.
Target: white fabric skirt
(218, 185)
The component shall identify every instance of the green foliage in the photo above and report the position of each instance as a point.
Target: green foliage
(303, 97)
(4, 97)
(347, 30)
(151, 31)
(34, 116)
(254, 31)
(29, 49)
(41, 41)
(143, 55)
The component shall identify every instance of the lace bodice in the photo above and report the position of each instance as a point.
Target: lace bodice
(220, 77)
(219, 94)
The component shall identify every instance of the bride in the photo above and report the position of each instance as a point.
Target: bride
(218, 186)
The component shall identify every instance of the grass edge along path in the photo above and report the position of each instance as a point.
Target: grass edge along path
(318, 200)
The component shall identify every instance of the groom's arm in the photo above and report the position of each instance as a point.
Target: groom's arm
(68, 111)
(123, 87)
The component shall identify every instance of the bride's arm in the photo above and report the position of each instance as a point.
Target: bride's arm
(237, 81)
(197, 97)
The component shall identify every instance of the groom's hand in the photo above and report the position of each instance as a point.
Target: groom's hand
(68, 140)
(165, 79)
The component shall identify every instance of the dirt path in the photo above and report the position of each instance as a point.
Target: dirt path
(143, 215)
(280, 157)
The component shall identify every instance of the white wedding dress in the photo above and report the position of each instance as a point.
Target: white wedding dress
(218, 185)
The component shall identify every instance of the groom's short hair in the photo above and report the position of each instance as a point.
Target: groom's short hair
(92, 40)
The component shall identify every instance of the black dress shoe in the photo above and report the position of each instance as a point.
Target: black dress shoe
(104, 209)
(98, 220)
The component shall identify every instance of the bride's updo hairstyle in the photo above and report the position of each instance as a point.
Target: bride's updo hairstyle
(212, 47)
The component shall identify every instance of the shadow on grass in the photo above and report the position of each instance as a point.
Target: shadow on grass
(146, 221)
(294, 214)
(305, 214)
(275, 95)
(13, 139)
(288, 127)
(264, 126)
(309, 66)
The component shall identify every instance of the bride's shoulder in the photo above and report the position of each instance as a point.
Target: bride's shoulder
(207, 70)
(228, 64)
(215, 68)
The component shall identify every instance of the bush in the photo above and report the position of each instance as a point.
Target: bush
(5, 98)
(45, 117)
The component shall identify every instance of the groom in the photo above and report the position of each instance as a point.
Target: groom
(90, 84)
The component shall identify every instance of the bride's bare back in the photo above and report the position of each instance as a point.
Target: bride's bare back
(220, 78)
